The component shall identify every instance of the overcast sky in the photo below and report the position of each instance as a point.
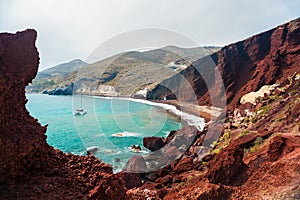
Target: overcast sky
(69, 29)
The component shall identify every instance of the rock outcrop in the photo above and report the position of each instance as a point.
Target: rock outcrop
(66, 90)
(245, 66)
(136, 164)
(153, 143)
(29, 167)
(22, 138)
(225, 171)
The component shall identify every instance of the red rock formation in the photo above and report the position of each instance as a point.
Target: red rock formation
(270, 172)
(183, 165)
(131, 180)
(245, 66)
(204, 190)
(22, 138)
(29, 167)
(136, 164)
(227, 166)
(153, 143)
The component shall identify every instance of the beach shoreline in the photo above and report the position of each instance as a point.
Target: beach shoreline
(188, 112)
(191, 114)
(206, 112)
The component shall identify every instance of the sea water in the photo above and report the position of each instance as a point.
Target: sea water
(112, 125)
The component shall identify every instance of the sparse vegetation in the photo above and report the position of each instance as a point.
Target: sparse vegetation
(46, 83)
(216, 143)
(190, 178)
(246, 150)
(264, 109)
(243, 133)
(293, 92)
(257, 143)
(276, 97)
(217, 151)
(253, 119)
(246, 120)
(226, 135)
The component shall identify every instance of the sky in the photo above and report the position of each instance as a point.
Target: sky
(71, 29)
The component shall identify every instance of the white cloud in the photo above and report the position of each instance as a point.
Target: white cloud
(71, 29)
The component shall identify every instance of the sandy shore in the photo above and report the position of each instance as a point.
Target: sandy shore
(206, 112)
(191, 118)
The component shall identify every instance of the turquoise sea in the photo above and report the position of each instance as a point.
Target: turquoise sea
(106, 120)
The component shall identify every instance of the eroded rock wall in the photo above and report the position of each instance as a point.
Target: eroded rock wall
(22, 138)
(245, 66)
(29, 167)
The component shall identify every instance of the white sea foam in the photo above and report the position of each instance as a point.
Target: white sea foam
(111, 151)
(190, 119)
(141, 151)
(126, 134)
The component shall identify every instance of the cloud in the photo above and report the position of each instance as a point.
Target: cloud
(72, 29)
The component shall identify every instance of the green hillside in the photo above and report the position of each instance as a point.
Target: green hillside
(126, 74)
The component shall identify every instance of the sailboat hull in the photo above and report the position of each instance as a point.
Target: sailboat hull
(79, 112)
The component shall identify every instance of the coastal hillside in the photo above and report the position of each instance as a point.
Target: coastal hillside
(126, 74)
(61, 69)
(245, 66)
(191, 54)
(48, 77)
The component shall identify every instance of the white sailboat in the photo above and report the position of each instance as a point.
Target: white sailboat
(80, 111)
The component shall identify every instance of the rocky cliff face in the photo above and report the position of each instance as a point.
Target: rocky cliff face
(256, 157)
(257, 154)
(244, 66)
(29, 167)
(22, 138)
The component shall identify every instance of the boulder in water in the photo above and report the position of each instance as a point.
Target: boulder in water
(153, 143)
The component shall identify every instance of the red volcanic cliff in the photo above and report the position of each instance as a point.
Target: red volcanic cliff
(245, 66)
(29, 167)
(22, 138)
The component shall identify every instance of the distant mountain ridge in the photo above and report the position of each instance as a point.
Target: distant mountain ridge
(61, 69)
(124, 74)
